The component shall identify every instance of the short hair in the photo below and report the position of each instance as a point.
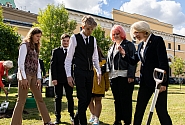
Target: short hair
(88, 20)
(117, 28)
(64, 36)
(140, 26)
(8, 64)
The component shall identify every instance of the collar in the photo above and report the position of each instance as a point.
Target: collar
(84, 36)
(145, 43)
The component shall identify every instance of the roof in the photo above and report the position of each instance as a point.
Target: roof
(19, 23)
(89, 14)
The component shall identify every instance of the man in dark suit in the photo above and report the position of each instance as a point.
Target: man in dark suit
(59, 79)
(152, 54)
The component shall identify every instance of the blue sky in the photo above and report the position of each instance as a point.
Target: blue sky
(167, 11)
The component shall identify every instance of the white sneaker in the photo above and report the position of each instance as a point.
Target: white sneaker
(91, 120)
(96, 121)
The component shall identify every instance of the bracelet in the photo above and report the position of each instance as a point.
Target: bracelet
(38, 78)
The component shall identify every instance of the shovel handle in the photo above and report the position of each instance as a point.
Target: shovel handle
(8, 91)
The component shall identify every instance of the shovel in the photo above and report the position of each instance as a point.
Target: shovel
(4, 105)
(158, 75)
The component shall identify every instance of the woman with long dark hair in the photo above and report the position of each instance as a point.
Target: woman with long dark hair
(29, 76)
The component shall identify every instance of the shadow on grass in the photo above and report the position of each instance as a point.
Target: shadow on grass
(176, 92)
(102, 123)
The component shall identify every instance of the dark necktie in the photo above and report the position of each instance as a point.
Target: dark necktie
(65, 52)
(86, 41)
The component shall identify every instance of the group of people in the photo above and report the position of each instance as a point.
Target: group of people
(80, 62)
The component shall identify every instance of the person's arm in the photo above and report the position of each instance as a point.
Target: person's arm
(21, 60)
(54, 65)
(69, 58)
(162, 57)
(95, 58)
(70, 54)
(131, 68)
(43, 71)
(125, 56)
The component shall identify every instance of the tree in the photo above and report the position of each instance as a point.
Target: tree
(178, 66)
(53, 21)
(9, 41)
(102, 41)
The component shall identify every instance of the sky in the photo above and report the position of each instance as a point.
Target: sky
(167, 11)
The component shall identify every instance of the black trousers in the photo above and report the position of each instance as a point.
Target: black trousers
(58, 98)
(122, 92)
(144, 95)
(84, 83)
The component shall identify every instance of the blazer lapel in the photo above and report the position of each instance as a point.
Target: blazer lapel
(147, 46)
(139, 51)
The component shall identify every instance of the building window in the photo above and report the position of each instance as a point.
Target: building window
(80, 28)
(169, 45)
(179, 47)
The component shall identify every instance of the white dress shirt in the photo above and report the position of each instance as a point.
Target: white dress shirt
(71, 51)
(21, 61)
(144, 46)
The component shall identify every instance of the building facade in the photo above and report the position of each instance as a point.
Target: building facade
(175, 44)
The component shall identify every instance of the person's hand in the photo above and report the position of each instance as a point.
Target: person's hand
(121, 50)
(38, 84)
(54, 82)
(70, 81)
(130, 80)
(162, 89)
(24, 84)
(99, 78)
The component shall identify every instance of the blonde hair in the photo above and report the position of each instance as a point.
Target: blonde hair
(140, 26)
(88, 20)
(8, 64)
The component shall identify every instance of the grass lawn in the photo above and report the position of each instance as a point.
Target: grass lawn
(176, 108)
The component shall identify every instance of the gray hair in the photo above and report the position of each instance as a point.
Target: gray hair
(8, 64)
(140, 26)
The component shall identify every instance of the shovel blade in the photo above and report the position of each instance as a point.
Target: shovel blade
(4, 107)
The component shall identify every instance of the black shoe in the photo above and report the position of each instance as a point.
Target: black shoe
(57, 121)
(117, 123)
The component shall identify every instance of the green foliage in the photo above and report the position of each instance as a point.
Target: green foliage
(102, 41)
(178, 66)
(53, 21)
(9, 42)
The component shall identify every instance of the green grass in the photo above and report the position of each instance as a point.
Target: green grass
(176, 108)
